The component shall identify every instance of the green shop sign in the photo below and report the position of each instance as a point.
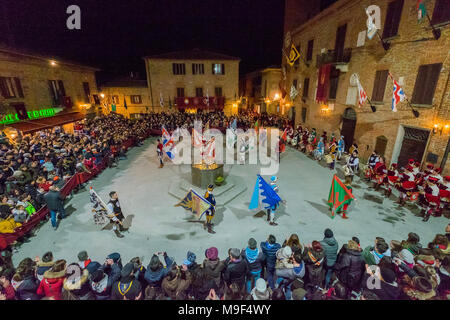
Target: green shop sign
(32, 115)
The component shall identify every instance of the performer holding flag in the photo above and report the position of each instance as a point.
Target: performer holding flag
(267, 195)
(340, 197)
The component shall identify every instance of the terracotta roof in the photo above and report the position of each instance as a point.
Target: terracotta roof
(195, 54)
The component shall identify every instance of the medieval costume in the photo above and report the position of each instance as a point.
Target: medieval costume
(212, 210)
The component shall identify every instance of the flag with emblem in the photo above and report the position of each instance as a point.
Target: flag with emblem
(168, 143)
(294, 55)
(362, 95)
(397, 95)
(194, 203)
(421, 10)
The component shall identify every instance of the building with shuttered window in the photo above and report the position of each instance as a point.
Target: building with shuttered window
(39, 92)
(193, 80)
(334, 44)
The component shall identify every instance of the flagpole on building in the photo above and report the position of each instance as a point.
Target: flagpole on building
(436, 32)
(386, 45)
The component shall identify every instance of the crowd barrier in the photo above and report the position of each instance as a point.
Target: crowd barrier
(7, 239)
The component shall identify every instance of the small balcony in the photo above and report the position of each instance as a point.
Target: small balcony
(339, 59)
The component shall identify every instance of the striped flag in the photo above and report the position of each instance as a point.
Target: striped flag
(397, 95)
(161, 99)
(362, 95)
(168, 144)
(421, 10)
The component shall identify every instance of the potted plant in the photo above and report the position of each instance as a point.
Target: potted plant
(219, 181)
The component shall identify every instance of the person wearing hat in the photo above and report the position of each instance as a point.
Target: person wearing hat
(190, 262)
(211, 210)
(52, 283)
(382, 283)
(99, 285)
(86, 263)
(156, 271)
(290, 269)
(236, 269)
(331, 247)
(115, 213)
(159, 152)
(127, 288)
(45, 264)
(406, 176)
(432, 189)
(340, 147)
(391, 177)
(112, 267)
(261, 291)
(404, 262)
(177, 282)
(213, 266)
(255, 259)
(76, 285)
(350, 266)
(55, 204)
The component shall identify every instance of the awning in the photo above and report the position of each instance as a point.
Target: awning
(47, 123)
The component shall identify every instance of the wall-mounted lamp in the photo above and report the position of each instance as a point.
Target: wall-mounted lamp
(440, 128)
(53, 62)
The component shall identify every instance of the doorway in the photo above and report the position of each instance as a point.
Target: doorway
(413, 145)
(348, 127)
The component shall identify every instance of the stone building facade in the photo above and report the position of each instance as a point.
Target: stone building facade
(40, 82)
(134, 92)
(184, 80)
(418, 61)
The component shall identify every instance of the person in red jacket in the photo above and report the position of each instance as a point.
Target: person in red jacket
(7, 291)
(51, 285)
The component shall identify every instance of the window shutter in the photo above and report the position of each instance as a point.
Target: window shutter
(305, 87)
(431, 82)
(393, 15)
(173, 68)
(3, 88)
(441, 13)
(18, 87)
(379, 86)
(397, 17)
(61, 88)
(212, 68)
(193, 68)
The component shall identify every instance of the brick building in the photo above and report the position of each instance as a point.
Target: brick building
(260, 90)
(39, 87)
(185, 79)
(336, 36)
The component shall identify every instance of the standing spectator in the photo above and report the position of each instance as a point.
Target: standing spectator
(52, 283)
(112, 267)
(6, 290)
(99, 285)
(55, 204)
(350, 266)
(331, 248)
(213, 266)
(261, 291)
(127, 288)
(236, 269)
(270, 248)
(255, 259)
(76, 284)
(314, 257)
(45, 264)
(156, 271)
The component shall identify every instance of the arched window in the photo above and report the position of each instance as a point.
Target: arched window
(380, 145)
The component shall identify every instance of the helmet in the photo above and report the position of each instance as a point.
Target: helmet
(273, 178)
(210, 187)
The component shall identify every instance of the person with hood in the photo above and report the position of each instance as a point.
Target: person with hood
(86, 263)
(417, 288)
(44, 265)
(51, 285)
(76, 284)
(261, 291)
(25, 284)
(112, 267)
(127, 288)
(382, 282)
(314, 258)
(213, 267)
(236, 269)
(55, 203)
(255, 258)
(373, 255)
(290, 269)
(190, 262)
(176, 284)
(350, 267)
(404, 262)
(331, 247)
(156, 271)
(269, 249)
(99, 285)
(139, 272)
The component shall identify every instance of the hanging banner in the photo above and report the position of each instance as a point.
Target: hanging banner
(322, 83)
(294, 55)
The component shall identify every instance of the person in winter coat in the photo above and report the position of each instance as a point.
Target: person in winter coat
(290, 269)
(6, 290)
(25, 284)
(156, 271)
(261, 291)
(331, 247)
(314, 258)
(113, 268)
(417, 288)
(51, 285)
(76, 284)
(412, 244)
(190, 262)
(382, 283)
(44, 265)
(139, 272)
(350, 267)
(255, 258)
(270, 248)
(55, 203)
(99, 285)
(86, 263)
(127, 288)
(373, 255)
(404, 262)
(236, 269)
(443, 271)
(294, 242)
(213, 266)
(176, 284)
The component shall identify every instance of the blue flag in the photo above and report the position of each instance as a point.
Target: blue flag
(264, 192)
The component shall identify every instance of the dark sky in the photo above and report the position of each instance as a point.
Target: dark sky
(115, 34)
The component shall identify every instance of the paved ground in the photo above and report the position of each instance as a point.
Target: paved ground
(157, 225)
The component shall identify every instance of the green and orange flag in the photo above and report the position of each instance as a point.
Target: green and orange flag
(339, 195)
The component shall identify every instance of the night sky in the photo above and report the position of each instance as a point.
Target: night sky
(115, 35)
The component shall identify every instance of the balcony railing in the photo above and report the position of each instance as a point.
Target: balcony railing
(200, 102)
(334, 57)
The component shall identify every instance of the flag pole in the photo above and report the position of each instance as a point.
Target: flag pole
(436, 32)
(386, 45)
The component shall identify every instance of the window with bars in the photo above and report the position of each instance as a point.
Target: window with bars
(309, 52)
(198, 68)
(11, 87)
(178, 68)
(441, 13)
(379, 85)
(393, 15)
(199, 92)
(180, 92)
(426, 82)
(218, 68)
(218, 91)
(136, 99)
